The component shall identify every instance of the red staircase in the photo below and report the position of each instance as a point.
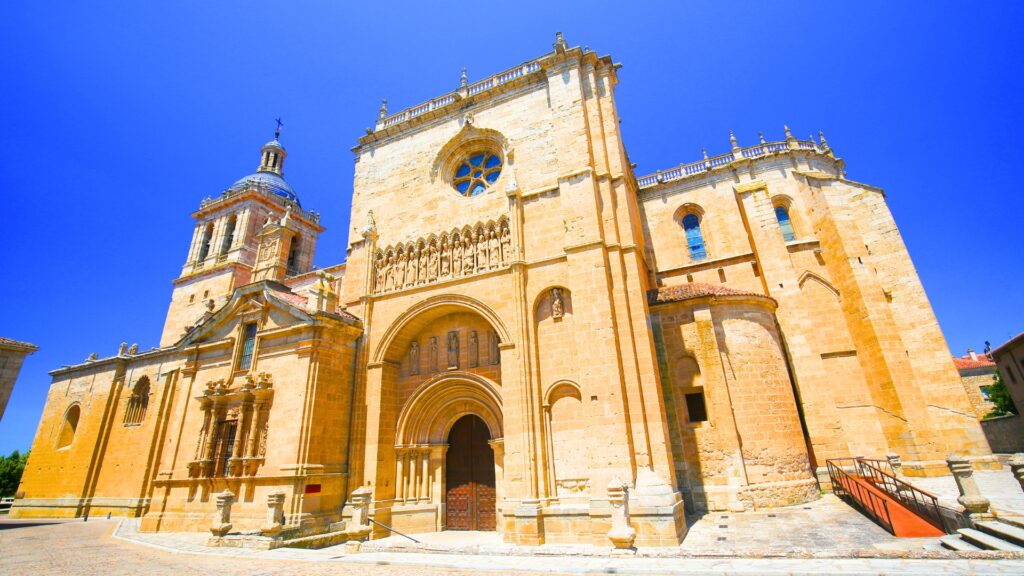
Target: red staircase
(900, 508)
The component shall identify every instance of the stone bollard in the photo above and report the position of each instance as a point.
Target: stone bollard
(360, 502)
(222, 518)
(896, 463)
(1017, 467)
(970, 497)
(275, 514)
(622, 534)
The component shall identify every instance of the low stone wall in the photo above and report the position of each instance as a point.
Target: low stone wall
(1005, 434)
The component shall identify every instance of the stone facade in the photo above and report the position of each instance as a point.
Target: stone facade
(506, 266)
(977, 372)
(12, 355)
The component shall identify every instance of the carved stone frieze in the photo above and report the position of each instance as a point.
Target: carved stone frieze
(458, 253)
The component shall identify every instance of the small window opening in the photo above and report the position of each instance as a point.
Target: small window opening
(696, 411)
(70, 426)
(135, 412)
(293, 254)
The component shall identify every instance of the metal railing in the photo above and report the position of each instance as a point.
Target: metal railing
(390, 529)
(924, 504)
(844, 486)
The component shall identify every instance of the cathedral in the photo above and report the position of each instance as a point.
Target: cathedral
(523, 336)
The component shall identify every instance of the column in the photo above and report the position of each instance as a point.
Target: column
(400, 474)
(424, 453)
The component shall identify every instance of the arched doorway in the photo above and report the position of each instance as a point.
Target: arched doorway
(469, 474)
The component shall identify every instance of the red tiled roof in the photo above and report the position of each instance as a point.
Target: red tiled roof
(965, 362)
(17, 344)
(692, 290)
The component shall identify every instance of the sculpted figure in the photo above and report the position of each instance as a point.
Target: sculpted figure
(433, 354)
(474, 350)
(456, 256)
(492, 249)
(506, 244)
(400, 275)
(481, 250)
(414, 358)
(467, 254)
(556, 303)
(389, 273)
(494, 353)
(378, 284)
(413, 264)
(445, 258)
(453, 349)
(432, 263)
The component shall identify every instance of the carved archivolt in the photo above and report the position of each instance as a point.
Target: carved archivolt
(471, 250)
(439, 402)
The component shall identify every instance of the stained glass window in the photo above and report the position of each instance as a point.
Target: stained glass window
(694, 239)
(782, 215)
(476, 173)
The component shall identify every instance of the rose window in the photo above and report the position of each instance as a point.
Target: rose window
(476, 173)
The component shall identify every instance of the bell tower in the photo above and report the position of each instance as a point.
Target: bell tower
(226, 241)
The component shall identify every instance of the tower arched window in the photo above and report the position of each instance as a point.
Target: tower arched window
(69, 427)
(785, 224)
(135, 412)
(694, 237)
(204, 245)
(293, 254)
(229, 235)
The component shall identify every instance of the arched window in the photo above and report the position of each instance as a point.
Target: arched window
(782, 215)
(204, 249)
(70, 426)
(135, 412)
(694, 238)
(293, 254)
(229, 235)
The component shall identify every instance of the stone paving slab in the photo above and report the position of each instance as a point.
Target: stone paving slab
(90, 549)
(999, 486)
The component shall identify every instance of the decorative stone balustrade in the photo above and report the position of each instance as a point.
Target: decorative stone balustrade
(458, 253)
(465, 91)
(707, 164)
(263, 190)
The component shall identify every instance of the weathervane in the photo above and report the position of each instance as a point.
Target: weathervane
(280, 124)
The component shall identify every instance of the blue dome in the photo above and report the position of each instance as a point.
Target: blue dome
(271, 181)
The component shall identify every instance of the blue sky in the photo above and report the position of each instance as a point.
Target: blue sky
(118, 118)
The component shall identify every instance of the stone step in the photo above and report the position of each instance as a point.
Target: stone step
(954, 542)
(1010, 533)
(1017, 521)
(987, 541)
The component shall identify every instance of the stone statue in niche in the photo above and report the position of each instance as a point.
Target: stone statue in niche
(481, 250)
(453, 349)
(506, 244)
(557, 307)
(445, 258)
(494, 353)
(457, 256)
(389, 275)
(433, 354)
(414, 358)
(493, 248)
(474, 350)
(421, 265)
(379, 279)
(467, 244)
(401, 270)
(432, 263)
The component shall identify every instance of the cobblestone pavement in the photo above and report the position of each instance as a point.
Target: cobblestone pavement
(88, 549)
(999, 486)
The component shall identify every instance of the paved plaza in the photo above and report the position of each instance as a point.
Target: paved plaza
(822, 537)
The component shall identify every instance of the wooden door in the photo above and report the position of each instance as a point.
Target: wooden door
(469, 474)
